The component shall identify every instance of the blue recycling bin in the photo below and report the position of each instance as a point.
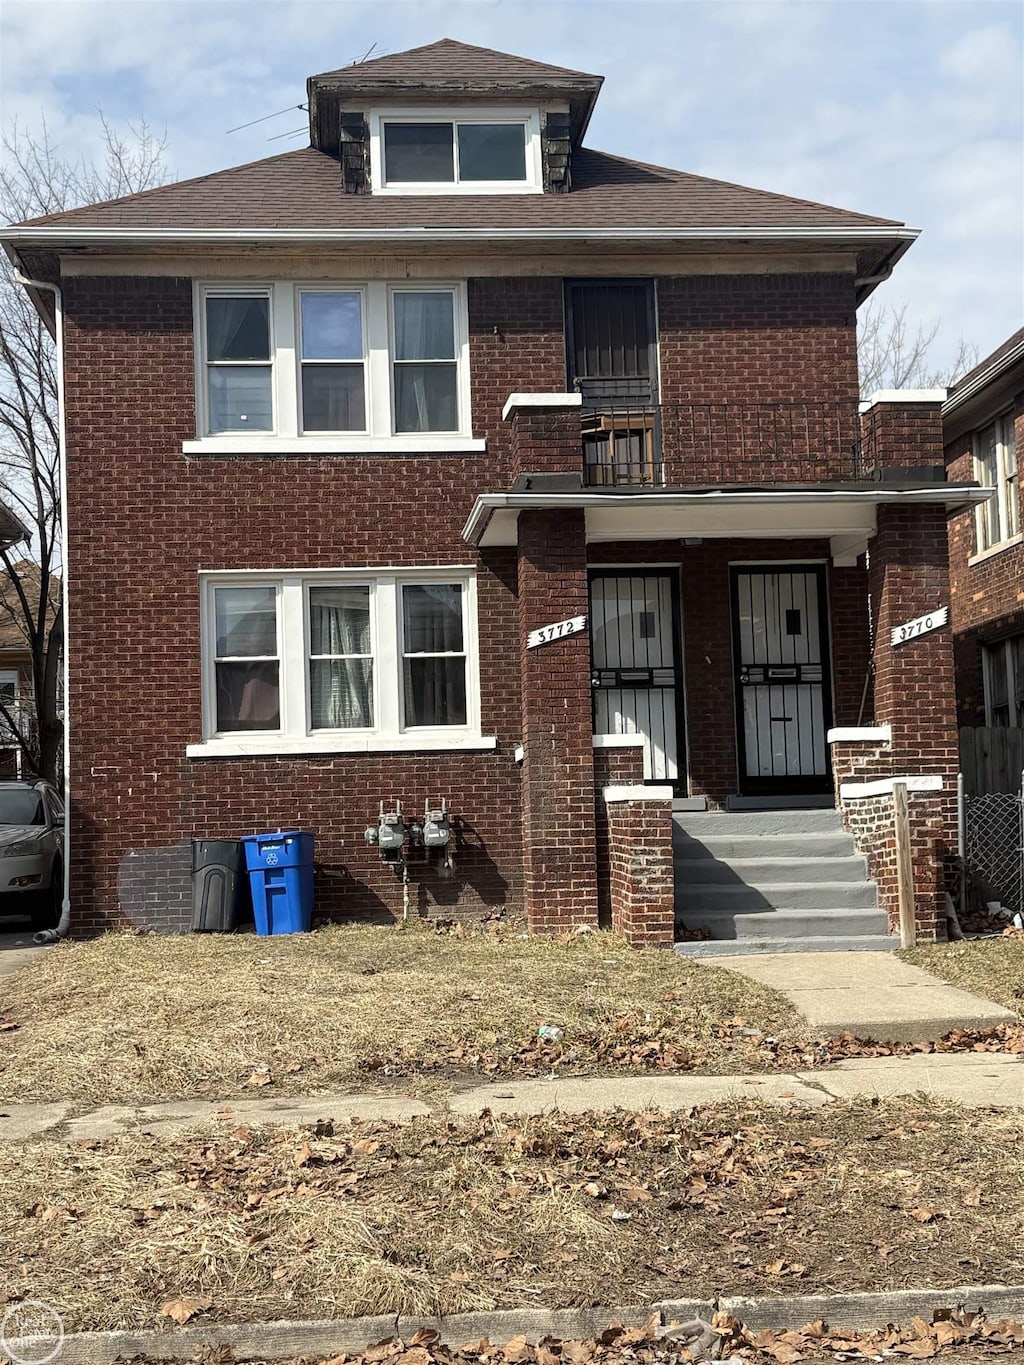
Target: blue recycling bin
(280, 868)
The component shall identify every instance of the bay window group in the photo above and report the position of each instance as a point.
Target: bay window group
(343, 360)
(339, 654)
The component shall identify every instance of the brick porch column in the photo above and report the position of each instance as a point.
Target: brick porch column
(914, 687)
(559, 854)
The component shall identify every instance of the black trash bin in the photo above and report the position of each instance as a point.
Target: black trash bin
(219, 885)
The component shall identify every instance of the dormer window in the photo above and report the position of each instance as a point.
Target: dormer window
(447, 152)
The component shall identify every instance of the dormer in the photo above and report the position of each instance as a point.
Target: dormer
(451, 119)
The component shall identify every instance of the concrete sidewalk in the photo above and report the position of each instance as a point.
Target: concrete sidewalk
(873, 995)
(976, 1079)
(16, 950)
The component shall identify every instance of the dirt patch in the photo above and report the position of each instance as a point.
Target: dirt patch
(442, 1217)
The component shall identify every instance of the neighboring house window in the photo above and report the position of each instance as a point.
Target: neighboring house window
(438, 151)
(9, 699)
(314, 363)
(1003, 667)
(340, 656)
(995, 464)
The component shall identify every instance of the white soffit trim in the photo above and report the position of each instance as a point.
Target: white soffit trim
(883, 786)
(860, 734)
(618, 741)
(637, 793)
(539, 400)
(84, 236)
(826, 512)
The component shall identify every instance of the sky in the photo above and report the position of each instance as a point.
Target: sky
(907, 109)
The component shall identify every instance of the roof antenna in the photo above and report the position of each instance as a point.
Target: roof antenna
(252, 122)
(359, 60)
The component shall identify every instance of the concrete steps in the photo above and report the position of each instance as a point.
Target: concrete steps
(773, 881)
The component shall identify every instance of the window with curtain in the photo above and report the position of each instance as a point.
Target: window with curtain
(247, 665)
(425, 365)
(239, 374)
(332, 358)
(995, 462)
(340, 658)
(434, 655)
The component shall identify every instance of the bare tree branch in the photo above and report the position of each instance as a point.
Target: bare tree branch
(892, 355)
(37, 178)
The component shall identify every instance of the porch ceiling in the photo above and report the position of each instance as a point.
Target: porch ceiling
(847, 516)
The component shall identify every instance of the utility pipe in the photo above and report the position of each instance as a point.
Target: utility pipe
(64, 923)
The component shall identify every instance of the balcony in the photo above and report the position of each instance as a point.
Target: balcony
(670, 445)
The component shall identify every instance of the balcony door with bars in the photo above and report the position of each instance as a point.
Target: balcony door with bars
(611, 341)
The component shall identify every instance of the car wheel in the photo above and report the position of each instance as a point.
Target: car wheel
(47, 907)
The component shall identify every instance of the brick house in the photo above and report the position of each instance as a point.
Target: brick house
(983, 429)
(448, 458)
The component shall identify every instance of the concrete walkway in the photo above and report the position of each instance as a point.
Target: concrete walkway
(16, 951)
(970, 1078)
(873, 995)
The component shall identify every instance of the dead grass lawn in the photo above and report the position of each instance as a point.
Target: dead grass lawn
(442, 1217)
(126, 1019)
(992, 967)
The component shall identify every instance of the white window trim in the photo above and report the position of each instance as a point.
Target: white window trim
(286, 370)
(530, 118)
(295, 736)
(1004, 424)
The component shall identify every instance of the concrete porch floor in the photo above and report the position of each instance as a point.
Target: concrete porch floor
(873, 995)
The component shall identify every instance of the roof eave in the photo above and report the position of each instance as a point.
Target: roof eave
(965, 392)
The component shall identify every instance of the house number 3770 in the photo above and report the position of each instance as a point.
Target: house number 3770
(920, 625)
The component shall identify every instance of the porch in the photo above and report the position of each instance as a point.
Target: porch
(727, 629)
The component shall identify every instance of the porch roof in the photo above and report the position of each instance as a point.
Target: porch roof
(845, 513)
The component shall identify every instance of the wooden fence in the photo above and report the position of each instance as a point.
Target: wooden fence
(991, 759)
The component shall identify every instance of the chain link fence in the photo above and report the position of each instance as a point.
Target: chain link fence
(992, 838)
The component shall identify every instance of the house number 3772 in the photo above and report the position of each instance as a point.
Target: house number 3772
(920, 625)
(544, 635)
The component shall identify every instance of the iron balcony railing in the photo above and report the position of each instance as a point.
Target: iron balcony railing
(673, 444)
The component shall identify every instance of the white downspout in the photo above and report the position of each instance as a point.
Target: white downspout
(64, 923)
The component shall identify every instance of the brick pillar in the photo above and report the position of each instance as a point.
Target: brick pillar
(545, 434)
(559, 860)
(914, 687)
(641, 867)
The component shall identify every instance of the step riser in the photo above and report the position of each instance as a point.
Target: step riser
(797, 847)
(712, 948)
(737, 899)
(762, 873)
(780, 822)
(790, 924)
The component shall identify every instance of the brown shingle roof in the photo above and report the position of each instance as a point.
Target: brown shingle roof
(1007, 346)
(450, 60)
(302, 189)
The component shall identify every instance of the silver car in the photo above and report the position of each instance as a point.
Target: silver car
(31, 851)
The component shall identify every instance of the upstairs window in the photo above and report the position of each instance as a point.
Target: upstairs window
(1003, 670)
(429, 152)
(239, 368)
(333, 360)
(995, 466)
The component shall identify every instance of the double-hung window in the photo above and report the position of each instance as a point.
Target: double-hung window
(321, 661)
(239, 361)
(1003, 670)
(995, 464)
(330, 368)
(332, 359)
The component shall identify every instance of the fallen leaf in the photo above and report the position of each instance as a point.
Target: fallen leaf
(182, 1310)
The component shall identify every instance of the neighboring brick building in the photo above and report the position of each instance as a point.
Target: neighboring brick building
(983, 429)
(348, 427)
